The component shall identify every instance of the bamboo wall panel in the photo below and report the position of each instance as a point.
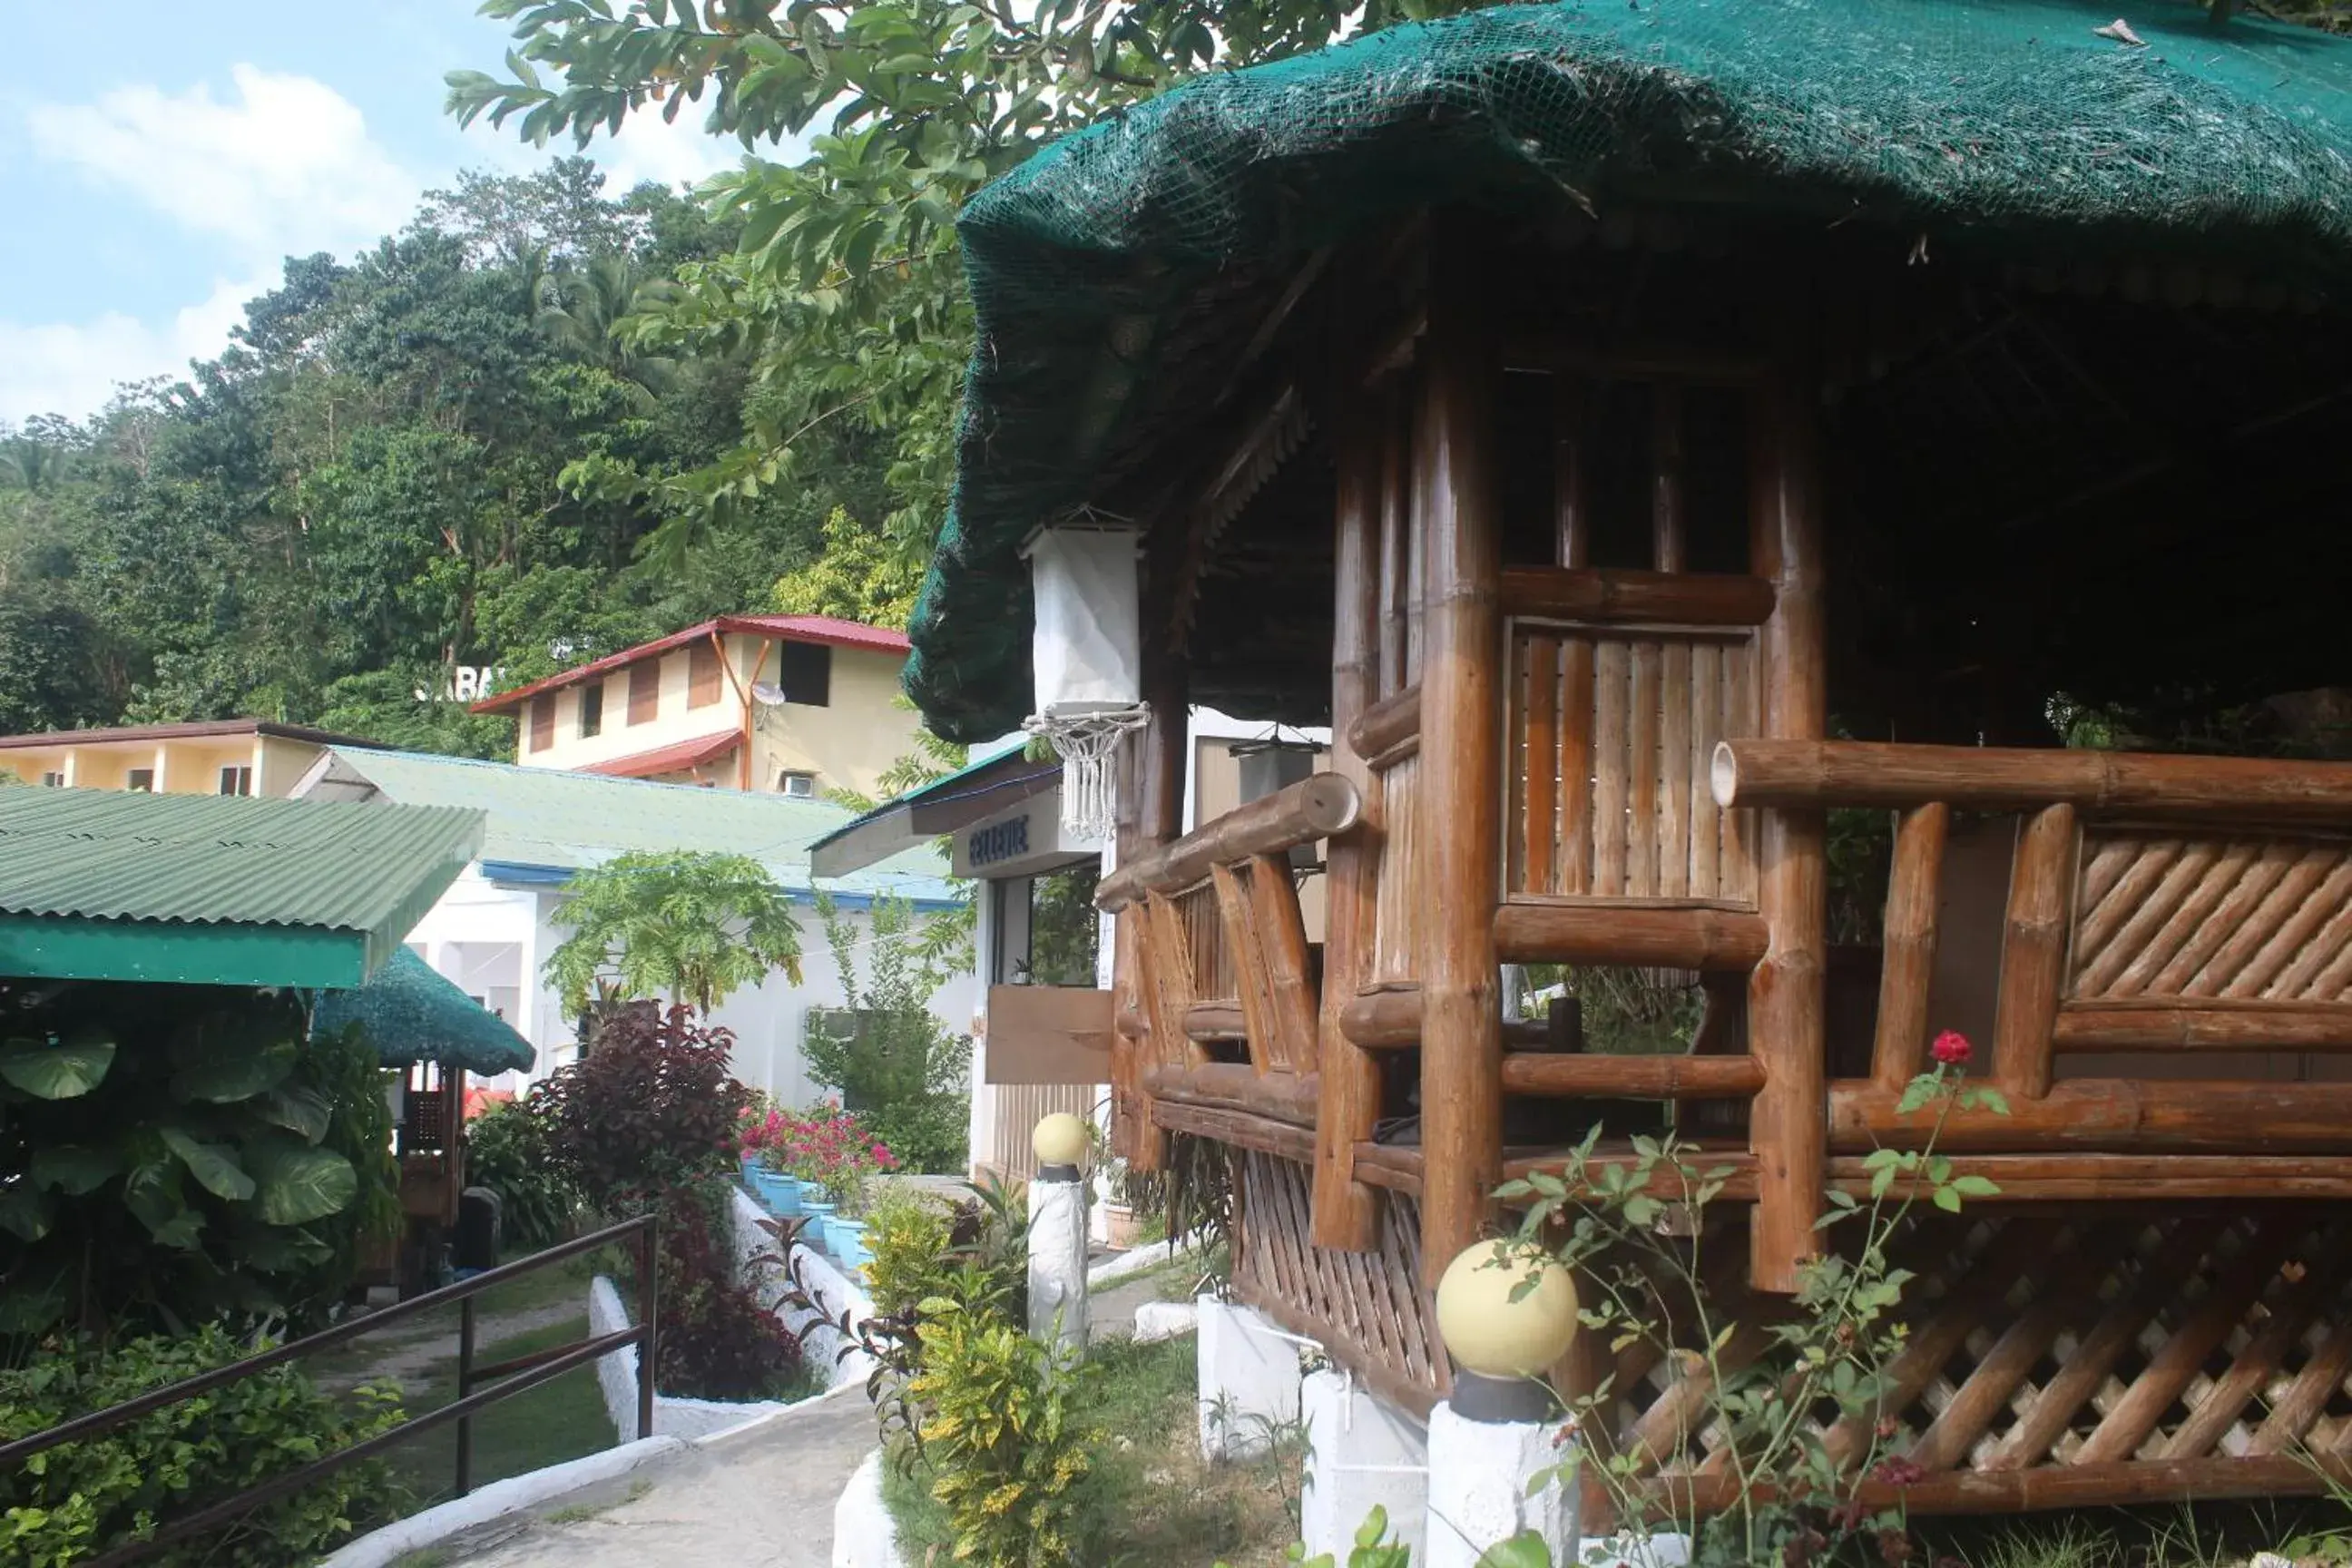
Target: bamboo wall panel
(1216, 977)
(1610, 734)
(2184, 915)
(1368, 1310)
(2121, 1355)
(1014, 1111)
(1396, 946)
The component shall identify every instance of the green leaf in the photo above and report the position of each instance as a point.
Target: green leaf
(220, 1062)
(66, 1070)
(1948, 1200)
(151, 1193)
(1525, 1550)
(26, 1211)
(296, 1185)
(213, 1165)
(297, 1108)
(74, 1170)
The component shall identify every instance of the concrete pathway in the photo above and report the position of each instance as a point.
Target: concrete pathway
(764, 1500)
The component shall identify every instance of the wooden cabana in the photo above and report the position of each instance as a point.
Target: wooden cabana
(1640, 433)
(428, 1034)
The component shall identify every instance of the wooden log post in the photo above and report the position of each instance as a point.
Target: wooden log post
(1787, 1023)
(1345, 1211)
(1157, 781)
(1899, 1052)
(1462, 786)
(2034, 951)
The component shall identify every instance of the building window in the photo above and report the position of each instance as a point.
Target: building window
(645, 690)
(805, 669)
(591, 710)
(799, 786)
(140, 779)
(236, 781)
(54, 780)
(701, 676)
(543, 723)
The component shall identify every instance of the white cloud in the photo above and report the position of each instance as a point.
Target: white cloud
(284, 167)
(72, 368)
(287, 167)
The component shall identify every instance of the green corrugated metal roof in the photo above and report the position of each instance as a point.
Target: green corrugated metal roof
(100, 884)
(545, 817)
(412, 1014)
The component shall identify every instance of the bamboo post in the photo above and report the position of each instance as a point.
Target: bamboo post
(2034, 954)
(1461, 1053)
(1786, 1027)
(1899, 1053)
(1669, 521)
(1159, 779)
(1367, 653)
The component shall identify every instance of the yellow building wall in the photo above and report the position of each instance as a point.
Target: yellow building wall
(186, 766)
(672, 723)
(849, 742)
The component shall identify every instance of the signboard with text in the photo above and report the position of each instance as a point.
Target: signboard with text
(1026, 839)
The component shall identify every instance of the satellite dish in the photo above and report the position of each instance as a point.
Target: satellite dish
(767, 695)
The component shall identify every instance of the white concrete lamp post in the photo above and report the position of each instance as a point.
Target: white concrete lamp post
(1496, 1429)
(1058, 1233)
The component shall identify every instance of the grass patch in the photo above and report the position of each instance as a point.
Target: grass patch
(564, 1419)
(1151, 1498)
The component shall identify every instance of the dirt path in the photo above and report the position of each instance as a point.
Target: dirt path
(426, 1350)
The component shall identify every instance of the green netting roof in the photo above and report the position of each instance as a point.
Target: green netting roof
(410, 1013)
(2007, 118)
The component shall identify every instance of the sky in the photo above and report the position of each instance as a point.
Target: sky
(159, 160)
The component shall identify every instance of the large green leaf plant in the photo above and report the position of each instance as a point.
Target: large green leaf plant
(172, 1155)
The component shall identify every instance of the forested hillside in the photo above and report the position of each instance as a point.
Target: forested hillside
(438, 453)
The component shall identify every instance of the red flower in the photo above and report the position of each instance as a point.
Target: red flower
(1899, 1472)
(1952, 1048)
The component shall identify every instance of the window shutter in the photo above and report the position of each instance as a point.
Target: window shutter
(701, 676)
(645, 690)
(543, 723)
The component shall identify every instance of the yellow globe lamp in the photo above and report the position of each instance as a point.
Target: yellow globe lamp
(1060, 1142)
(1507, 1311)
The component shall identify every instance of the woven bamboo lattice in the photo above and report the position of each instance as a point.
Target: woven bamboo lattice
(1368, 1310)
(2088, 1358)
(2235, 919)
(2082, 1358)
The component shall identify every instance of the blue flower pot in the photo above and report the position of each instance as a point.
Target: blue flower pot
(784, 1197)
(750, 1170)
(855, 1256)
(845, 1239)
(819, 1213)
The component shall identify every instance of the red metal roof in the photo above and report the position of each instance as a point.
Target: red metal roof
(829, 630)
(195, 730)
(670, 758)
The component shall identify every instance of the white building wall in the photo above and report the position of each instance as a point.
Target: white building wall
(493, 938)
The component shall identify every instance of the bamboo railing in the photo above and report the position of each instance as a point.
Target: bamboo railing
(2157, 905)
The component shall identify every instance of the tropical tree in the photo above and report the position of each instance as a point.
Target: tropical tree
(693, 926)
(845, 288)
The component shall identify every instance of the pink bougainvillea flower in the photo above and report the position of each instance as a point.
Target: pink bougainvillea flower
(1952, 1048)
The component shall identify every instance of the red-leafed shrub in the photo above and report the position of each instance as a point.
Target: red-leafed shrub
(649, 1119)
(650, 1106)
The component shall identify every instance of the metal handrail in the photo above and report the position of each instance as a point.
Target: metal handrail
(520, 1375)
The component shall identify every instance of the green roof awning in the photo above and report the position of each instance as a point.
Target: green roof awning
(216, 889)
(412, 1014)
(1158, 237)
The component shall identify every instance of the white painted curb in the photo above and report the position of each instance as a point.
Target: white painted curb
(1135, 1260)
(863, 1533)
(382, 1547)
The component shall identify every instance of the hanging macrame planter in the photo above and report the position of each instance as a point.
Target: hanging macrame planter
(1088, 663)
